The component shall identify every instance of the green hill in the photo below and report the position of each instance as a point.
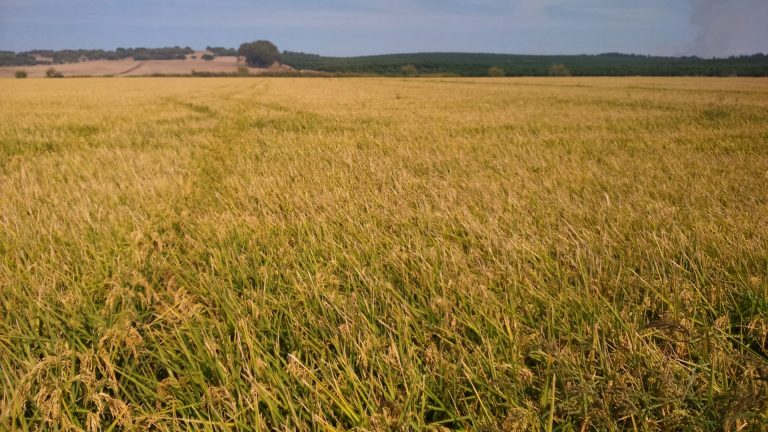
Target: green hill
(477, 64)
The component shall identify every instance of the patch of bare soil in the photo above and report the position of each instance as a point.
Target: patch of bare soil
(130, 67)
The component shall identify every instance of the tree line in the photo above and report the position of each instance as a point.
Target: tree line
(30, 58)
(260, 53)
(473, 64)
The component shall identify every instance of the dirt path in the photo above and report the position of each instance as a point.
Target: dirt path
(131, 69)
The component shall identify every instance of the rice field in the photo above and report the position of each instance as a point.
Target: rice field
(567, 254)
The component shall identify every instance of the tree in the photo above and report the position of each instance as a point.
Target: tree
(20, 74)
(559, 70)
(409, 70)
(496, 72)
(260, 53)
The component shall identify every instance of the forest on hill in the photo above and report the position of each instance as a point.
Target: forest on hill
(476, 64)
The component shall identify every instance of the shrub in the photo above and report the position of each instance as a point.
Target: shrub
(242, 70)
(409, 70)
(496, 72)
(559, 70)
(53, 73)
(207, 57)
(20, 74)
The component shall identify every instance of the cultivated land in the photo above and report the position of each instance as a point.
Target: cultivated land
(130, 67)
(325, 254)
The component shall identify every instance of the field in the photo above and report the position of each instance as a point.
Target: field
(130, 67)
(383, 254)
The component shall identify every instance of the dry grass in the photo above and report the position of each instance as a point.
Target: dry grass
(379, 254)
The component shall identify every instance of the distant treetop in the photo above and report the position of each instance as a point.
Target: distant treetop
(261, 53)
(221, 51)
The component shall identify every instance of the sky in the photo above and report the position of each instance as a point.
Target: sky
(705, 28)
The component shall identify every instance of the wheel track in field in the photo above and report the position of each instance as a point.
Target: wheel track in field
(131, 69)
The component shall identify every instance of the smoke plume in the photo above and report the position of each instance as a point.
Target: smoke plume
(730, 27)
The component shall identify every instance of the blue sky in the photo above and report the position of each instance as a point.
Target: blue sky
(345, 27)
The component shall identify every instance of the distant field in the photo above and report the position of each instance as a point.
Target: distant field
(383, 254)
(130, 67)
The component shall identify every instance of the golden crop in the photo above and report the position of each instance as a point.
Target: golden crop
(381, 254)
